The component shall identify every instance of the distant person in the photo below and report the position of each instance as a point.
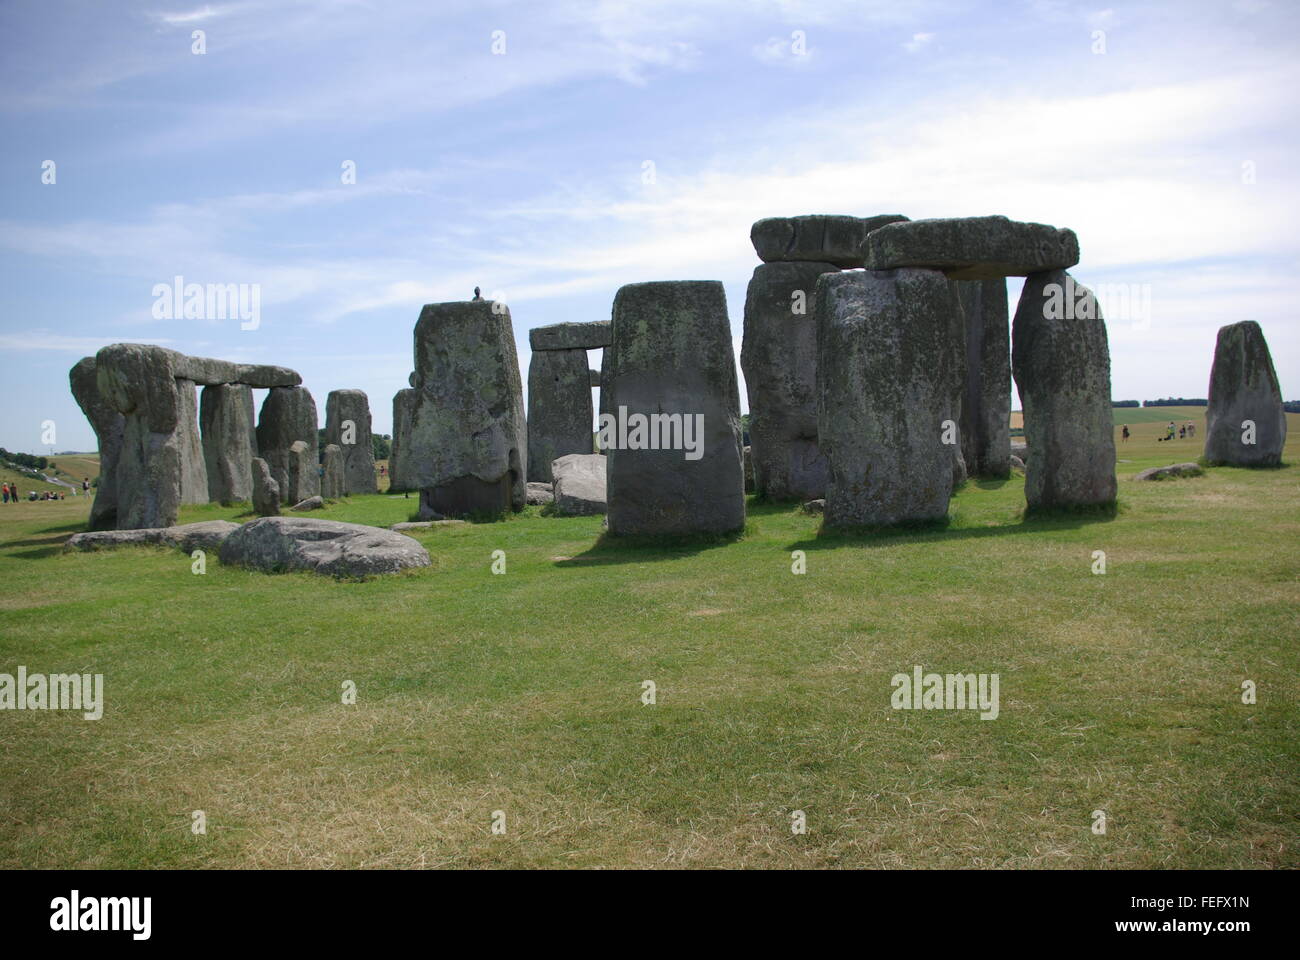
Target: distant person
(1124, 433)
(1191, 429)
(1182, 432)
(5, 493)
(85, 486)
(478, 294)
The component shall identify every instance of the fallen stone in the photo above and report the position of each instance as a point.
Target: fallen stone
(825, 238)
(559, 409)
(423, 524)
(207, 535)
(579, 484)
(887, 379)
(1017, 463)
(1020, 450)
(1173, 470)
(971, 248)
(817, 506)
(673, 360)
(347, 425)
(229, 441)
(466, 450)
(1061, 363)
(332, 480)
(311, 503)
(108, 425)
(266, 491)
(540, 494)
(1245, 425)
(778, 355)
(275, 544)
(570, 336)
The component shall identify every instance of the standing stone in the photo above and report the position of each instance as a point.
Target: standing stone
(266, 492)
(986, 398)
(1061, 362)
(108, 425)
(887, 356)
(137, 380)
(674, 367)
(304, 472)
(229, 441)
(194, 471)
(779, 358)
(333, 480)
(606, 375)
(400, 473)
(344, 407)
(1244, 387)
(288, 414)
(559, 409)
(467, 447)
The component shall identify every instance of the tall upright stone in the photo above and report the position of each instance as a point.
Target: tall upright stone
(266, 492)
(1061, 362)
(304, 471)
(288, 414)
(1245, 424)
(108, 425)
(347, 425)
(138, 381)
(467, 447)
(986, 395)
(675, 466)
(887, 383)
(333, 476)
(779, 358)
(559, 409)
(400, 474)
(229, 440)
(194, 471)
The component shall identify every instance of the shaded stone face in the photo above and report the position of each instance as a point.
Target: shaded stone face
(1244, 387)
(400, 474)
(570, 336)
(672, 355)
(779, 358)
(304, 472)
(468, 439)
(341, 408)
(333, 483)
(1061, 362)
(820, 238)
(229, 441)
(986, 397)
(108, 425)
(887, 383)
(971, 248)
(288, 414)
(559, 409)
(266, 492)
(194, 471)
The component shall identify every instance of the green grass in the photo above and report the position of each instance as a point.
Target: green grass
(521, 692)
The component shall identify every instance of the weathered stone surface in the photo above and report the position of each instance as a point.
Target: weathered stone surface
(266, 490)
(1017, 463)
(401, 476)
(311, 503)
(606, 378)
(211, 373)
(971, 248)
(559, 409)
(1173, 470)
(1020, 450)
(423, 524)
(986, 398)
(138, 381)
(194, 471)
(824, 238)
(467, 447)
(304, 472)
(887, 381)
(288, 414)
(275, 544)
(779, 358)
(673, 358)
(815, 507)
(207, 535)
(540, 494)
(748, 456)
(1061, 362)
(344, 407)
(229, 441)
(570, 336)
(1244, 386)
(108, 425)
(580, 484)
(333, 483)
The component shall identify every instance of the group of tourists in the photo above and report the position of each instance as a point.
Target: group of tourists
(1183, 431)
(9, 493)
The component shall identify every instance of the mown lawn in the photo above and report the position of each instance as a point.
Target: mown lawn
(522, 693)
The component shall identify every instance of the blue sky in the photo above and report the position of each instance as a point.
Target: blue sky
(1172, 153)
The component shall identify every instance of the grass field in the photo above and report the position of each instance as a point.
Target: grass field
(521, 692)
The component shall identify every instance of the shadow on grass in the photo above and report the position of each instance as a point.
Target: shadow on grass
(938, 531)
(609, 549)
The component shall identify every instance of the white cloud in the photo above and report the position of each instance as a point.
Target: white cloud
(918, 41)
